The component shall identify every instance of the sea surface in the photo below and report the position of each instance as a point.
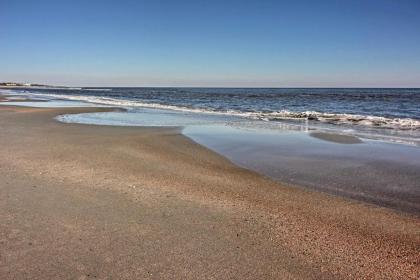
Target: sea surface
(388, 114)
(363, 144)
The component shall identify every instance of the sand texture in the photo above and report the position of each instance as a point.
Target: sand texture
(102, 202)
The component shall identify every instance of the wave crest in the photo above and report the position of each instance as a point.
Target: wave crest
(399, 123)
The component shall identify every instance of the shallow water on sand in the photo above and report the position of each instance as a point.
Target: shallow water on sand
(372, 171)
(49, 104)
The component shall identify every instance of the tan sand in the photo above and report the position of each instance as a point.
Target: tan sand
(82, 202)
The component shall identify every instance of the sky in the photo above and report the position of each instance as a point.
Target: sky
(366, 43)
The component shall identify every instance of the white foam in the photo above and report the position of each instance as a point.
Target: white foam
(399, 123)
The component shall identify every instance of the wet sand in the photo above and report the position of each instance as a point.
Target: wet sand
(81, 202)
(336, 138)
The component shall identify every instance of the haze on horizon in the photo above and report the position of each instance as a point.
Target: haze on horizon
(369, 43)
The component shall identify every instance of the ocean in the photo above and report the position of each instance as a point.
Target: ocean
(378, 113)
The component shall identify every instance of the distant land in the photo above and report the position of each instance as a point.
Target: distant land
(29, 85)
(15, 84)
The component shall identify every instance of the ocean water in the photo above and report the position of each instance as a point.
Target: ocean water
(388, 114)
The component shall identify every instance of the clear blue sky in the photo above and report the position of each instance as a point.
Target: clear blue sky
(211, 43)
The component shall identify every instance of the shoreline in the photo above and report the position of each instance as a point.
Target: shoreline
(267, 155)
(178, 205)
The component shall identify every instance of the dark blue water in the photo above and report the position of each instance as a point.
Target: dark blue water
(389, 103)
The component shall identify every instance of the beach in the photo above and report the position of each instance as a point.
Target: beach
(82, 202)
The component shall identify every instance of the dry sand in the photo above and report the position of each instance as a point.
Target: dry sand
(101, 202)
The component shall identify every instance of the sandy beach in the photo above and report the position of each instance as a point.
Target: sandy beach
(103, 202)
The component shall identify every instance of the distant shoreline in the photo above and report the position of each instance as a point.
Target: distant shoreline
(189, 87)
(36, 87)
